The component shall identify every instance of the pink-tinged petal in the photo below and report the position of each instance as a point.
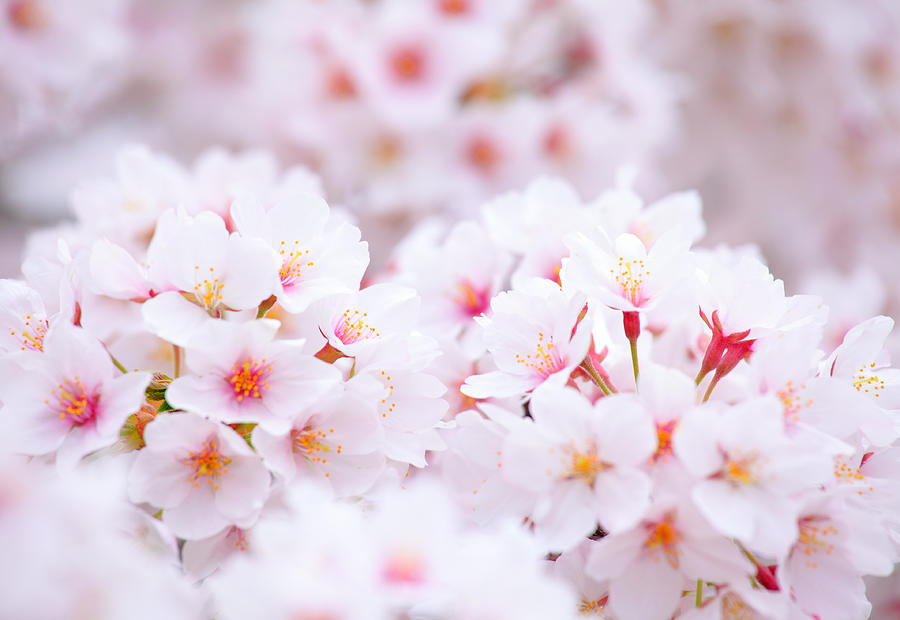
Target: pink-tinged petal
(172, 317)
(629, 596)
(861, 345)
(244, 488)
(497, 384)
(249, 217)
(199, 245)
(626, 432)
(623, 496)
(611, 555)
(296, 382)
(161, 479)
(178, 433)
(80, 441)
(561, 413)
(530, 460)
(196, 516)
(727, 508)
(115, 273)
(209, 395)
(714, 558)
(353, 424)
(120, 398)
(201, 557)
(695, 441)
(298, 216)
(352, 474)
(251, 273)
(410, 448)
(76, 353)
(571, 517)
(33, 429)
(276, 451)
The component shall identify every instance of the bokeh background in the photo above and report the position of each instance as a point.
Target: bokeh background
(783, 114)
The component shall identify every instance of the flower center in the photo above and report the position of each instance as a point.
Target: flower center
(793, 401)
(629, 276)
(867, 382)
(471, 301)
(408, 63)
(664, 431)
(207, 462)
(73, 402)
(405, 567)
(545, 360)
(249, 377)
(33, 335)
(482, 153)
(309, 442)
(585, 466)
(26, 15)
(813, 539)
(742, 469)
(353, 327)
(845, 473)
(454, 7)
(733, 608)
(292, 261)
(208, 292)
(662, 541)
(592, 608)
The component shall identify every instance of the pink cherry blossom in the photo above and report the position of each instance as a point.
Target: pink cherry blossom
(240, 373)
(535, 334)
(201, 473)
(70, 402)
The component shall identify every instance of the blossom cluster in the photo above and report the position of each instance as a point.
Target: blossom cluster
(562, 407)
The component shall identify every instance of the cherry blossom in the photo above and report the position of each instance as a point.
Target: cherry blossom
(202, 474)
(240, 373)
(70, 402)
(535, 334)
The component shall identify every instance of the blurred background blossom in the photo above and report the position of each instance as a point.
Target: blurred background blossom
(784, 115)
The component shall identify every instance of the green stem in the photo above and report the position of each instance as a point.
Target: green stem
(699, 592)
(117, 363)
(592, 372)
(634, 360)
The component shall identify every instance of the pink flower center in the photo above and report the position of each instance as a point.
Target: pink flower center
(208, 291)
(664, 431)
(26, 15)
(454, 7)
(405, 567)
(310, 442)
(814, 539)
(662, 541)
(585, 466)
(742, 469)
(73, 402)
(482, 154)
(208, 463)
(248, 378)
(353, 326)
(472, 301)
(629, 276)
(292, 262)
(33, 335)
(407, 63)
(867, 382)
(545, 361)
